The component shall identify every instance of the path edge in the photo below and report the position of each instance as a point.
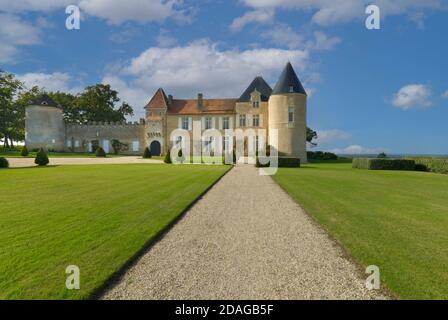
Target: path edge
(115, 277)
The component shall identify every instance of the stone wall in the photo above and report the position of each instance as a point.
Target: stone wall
(44, 128)
(84, 138)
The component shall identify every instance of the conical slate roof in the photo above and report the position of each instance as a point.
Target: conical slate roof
(261, 86)
(288, 82)
(44, 100)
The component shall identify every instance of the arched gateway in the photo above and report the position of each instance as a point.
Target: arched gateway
(155, 148)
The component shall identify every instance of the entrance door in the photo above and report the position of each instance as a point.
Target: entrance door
(156, 148)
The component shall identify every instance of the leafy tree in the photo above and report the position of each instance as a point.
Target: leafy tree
(310, 136)
(382, 155)
(97, 103)
(10, 115)
(41, 158)
(117, 146)
(72, 111)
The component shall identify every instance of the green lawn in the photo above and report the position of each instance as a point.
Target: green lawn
(95, 217)
(395, 220)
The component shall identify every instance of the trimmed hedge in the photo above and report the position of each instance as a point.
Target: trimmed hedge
(41, 158)
(282, 163)
(4, 163)
(383, 164)
(167, 157)
(436, 165)
(320, 155)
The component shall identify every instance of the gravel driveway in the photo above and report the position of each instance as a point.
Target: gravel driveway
(56, 161)
(245, 239)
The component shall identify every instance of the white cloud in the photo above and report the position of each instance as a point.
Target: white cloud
(284, 35)
(358, 150)
(200, 67)
(14, 32)
(325, 136)
(258, 16)
(413, 96)
(114, 11)
(328, 12)
(56, 81)
(323, 42)
(445, 95)
(164, 39)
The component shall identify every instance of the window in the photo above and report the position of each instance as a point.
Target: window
(291, 114)
(226, 143)
(209, 144)
(208, 123)
(256, 120)
(226, 123)
(291, 89)
(179, 142)
(76, 144)
(185, 123)
(150, 113)
(135, 146)
(242, 120)
(256, 104)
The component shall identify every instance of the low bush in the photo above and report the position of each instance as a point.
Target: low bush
(24, 152)
(436, 165)
(41, 158)
(147, 154)
(100, 153)
(383, 164)
(4, 163)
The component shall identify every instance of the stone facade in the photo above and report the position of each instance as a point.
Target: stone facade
(259, 107)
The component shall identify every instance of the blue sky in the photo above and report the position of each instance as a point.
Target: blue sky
(370, 90)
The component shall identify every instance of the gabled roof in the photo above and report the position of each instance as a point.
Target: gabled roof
(261, 86)
(159, 100)
(288, 82)
(210, 106)
(44, 100)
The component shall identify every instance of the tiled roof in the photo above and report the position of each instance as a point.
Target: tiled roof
(288, 82)
(261, 86)
(159, 100)
(190, 106)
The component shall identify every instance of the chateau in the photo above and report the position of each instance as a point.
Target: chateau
(259, 107)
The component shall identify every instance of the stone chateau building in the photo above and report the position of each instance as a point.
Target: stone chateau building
(259, 107)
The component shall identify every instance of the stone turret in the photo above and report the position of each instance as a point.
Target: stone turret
(287, 114)
(44, 125)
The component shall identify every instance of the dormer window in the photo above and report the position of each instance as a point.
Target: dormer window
(256, 104)
(291, 89)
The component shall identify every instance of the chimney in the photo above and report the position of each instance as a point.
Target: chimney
(200, 101)
(170, 99)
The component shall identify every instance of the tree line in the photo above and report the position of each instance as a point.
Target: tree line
(96, 103)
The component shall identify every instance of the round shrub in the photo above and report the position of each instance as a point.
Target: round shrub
(41, 158)
(24, 152)
(147, 154)
(167, 157)
(4, 163)
(100, 153)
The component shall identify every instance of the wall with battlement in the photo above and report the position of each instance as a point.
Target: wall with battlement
(84, 137)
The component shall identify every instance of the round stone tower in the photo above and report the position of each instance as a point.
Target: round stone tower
(44, 125)
(287, 114)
